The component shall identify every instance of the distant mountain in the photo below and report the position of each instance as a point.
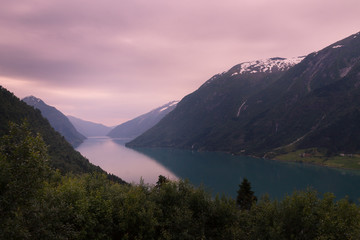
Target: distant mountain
(139, 125)
(89, 129)
(57, 120)
(271, 106)
(62, 154)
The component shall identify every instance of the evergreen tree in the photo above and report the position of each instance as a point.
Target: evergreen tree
(245, 197)
(162, 180)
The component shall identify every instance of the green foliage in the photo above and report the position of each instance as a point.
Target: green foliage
(92, 207)
(62, 155)
(245, 198)
(38, 203)
(23, 171)
(318, 157)
(303, 215)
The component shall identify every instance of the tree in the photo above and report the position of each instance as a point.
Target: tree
(23, 171)
(245, 198)
(162, 180)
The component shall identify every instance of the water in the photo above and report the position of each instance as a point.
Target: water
(218, 172)
(112, 156)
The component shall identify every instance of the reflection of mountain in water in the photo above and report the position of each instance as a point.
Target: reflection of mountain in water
(115, 158)
(121, 141)
(222, 173)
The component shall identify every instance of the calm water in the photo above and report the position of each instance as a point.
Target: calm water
(218, 172)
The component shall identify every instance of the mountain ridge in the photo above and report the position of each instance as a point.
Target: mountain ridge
(261, 112)
(57, 120)
(62, 155)
(135, 127)
(88, 128)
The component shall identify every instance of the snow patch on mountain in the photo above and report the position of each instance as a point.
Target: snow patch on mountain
(259, 66)
(266, 65)
(170, 104)
(33, 100)
(338, 46)
(239, 110)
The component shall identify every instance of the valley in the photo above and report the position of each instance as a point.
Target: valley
(180, 120)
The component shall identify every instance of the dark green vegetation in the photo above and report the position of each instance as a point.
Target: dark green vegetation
(314, 104)
(245, 196)
(137, 126)
(57, 120)
(314, 156)
(62, 155)
(38, 203)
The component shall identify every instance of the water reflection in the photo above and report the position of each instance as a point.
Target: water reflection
(222, 173)
(112, 156)
(219, 172)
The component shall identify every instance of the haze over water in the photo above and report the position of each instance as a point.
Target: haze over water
(218, 172)
(112, 156)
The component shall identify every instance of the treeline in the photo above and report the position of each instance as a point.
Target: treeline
(37, 202)
(61, 154)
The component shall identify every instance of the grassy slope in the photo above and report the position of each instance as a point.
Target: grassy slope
(315, 156)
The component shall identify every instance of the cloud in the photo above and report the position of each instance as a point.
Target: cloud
(161, 50)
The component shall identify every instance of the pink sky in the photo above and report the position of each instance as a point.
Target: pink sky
(109, 61)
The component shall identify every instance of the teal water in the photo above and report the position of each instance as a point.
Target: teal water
(218, 172)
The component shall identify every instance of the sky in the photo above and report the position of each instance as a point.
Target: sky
(110, 61)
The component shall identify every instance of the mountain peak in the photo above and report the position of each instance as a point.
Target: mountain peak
(265, 65)
(32, 100)
(142, 123)
(57, 120)
(271, 106)
(268, 65)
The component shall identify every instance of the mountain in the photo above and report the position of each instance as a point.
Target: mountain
(57, 120)
(271, 106)
(212, 112)
(137, 126)
(62, 155)
(89, 129)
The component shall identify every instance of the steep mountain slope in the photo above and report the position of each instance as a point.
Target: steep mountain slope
(89, 129)
(139, 125)
(57, 120)
(62, 154)
(252, 110)
(213, 111)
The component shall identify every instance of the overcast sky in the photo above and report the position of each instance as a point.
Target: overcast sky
(109, 61)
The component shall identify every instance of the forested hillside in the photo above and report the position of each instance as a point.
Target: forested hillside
(62, 155)
(57, 120)
(38, 203)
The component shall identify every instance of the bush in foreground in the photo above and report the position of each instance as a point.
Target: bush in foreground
(39, 203)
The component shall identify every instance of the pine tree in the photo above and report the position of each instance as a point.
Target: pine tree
(245, 198)
(162, 180)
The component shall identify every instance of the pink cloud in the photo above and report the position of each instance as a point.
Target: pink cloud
(159, 50)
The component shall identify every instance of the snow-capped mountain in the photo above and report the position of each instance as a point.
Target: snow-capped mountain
(265, 65)
(271, 106)
(141, 124)
(269, 65)
(33, 101)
